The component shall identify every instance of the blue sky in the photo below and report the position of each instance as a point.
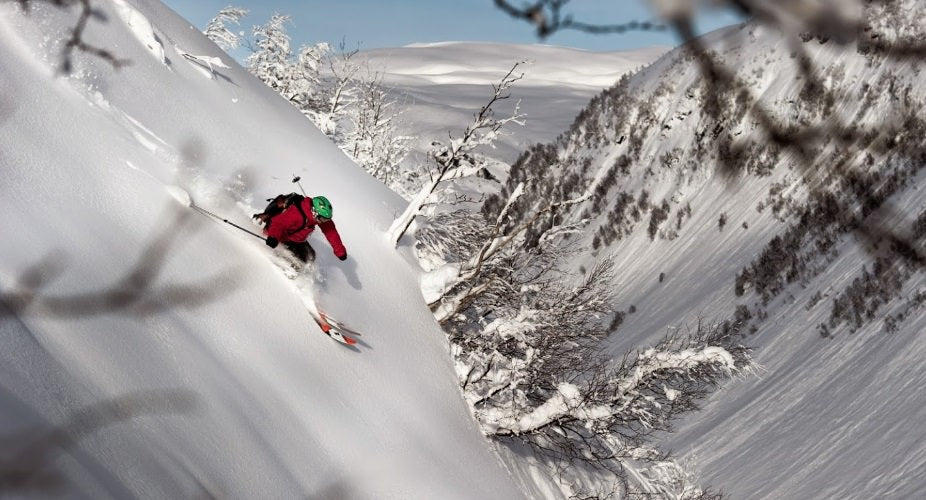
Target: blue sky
(392, 23)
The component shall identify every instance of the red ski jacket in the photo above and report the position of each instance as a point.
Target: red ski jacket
(289, 226)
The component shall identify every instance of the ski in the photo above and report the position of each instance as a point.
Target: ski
(332, 331)
(341, 327)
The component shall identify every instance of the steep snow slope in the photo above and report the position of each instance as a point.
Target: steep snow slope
(818, 262)
(149, 351)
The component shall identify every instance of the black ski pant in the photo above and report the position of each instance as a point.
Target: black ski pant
(303, 251)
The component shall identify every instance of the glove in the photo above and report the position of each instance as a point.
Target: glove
(343, 257)
(272, 242)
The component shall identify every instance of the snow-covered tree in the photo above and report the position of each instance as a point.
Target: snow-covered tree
(526, 338)
(342, 89)
(295, 76)
(530, 331)
(355, 111)
(462, 282)
(639, 396)
(270, 60)
(217, 29)
(459, 156)
(372, 139)
(449, 237)
(307, 90)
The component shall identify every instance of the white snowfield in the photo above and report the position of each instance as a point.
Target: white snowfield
(151, 352)
(470, 63)
(442, 84)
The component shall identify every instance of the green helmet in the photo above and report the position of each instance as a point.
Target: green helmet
(321, 207)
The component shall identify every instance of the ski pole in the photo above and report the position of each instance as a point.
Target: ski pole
(210, 214)
(296, 179)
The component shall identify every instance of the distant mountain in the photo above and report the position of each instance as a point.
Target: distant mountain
(441, 85)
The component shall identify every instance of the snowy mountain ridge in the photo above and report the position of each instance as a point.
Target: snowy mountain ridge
(783, 201)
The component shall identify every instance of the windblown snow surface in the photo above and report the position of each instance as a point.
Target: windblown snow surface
(150, 351)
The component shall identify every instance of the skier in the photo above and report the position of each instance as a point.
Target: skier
(290, 219)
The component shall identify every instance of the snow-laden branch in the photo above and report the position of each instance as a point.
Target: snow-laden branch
(565, 402)
(456, 155)
(218, 32)
(494, 243)
(651, 373)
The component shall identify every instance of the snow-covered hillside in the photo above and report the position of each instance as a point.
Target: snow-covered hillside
(787, 204)
(152, 352)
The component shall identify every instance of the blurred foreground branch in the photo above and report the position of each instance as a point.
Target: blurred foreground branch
(136, 293)
(28, 468)
(548, 18)
(76, 40)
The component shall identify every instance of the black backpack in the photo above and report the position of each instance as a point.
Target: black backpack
(305, 218)
(280, 203)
